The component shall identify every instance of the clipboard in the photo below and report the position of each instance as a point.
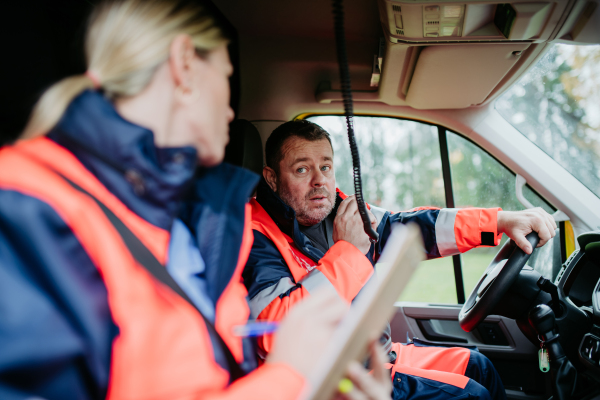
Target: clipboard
(369, 312)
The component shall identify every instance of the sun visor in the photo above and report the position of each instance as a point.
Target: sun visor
(460, 76)
(583, 24)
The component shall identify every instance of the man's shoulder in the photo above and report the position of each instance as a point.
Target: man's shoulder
(264, 224)
(259, 214)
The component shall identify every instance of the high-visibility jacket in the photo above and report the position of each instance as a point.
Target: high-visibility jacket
(284, 266)
(81, 319)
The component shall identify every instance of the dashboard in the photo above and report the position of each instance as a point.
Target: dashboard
(578, 281)
(581, 279)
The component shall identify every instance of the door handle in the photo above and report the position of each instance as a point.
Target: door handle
(431, 334)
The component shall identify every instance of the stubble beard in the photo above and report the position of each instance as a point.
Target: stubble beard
(301, 204)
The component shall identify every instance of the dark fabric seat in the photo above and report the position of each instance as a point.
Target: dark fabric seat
(245, 146)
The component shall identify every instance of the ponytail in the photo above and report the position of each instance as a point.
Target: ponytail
(53, 103)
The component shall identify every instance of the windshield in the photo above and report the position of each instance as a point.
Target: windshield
(556, 105)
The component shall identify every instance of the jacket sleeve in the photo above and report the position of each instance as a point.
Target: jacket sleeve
(56, 325)
(272, 289)
(446, 231)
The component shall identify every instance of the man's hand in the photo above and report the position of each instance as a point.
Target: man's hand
(518, 224)
(348, 225)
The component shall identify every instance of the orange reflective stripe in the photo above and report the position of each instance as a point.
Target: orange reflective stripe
(450, 378)
(447, 359)
(63, 161)
(234, 296)
(263, 223)
(469, 224)
(346, 268)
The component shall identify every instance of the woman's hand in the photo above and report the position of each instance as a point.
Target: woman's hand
(375, 386)
(306, 331)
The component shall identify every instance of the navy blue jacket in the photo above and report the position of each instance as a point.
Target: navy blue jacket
(56, 329)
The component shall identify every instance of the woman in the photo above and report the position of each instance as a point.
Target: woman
(104, 189)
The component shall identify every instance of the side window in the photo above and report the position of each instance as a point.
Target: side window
(402, 168)
(400, 161)
(478, 180)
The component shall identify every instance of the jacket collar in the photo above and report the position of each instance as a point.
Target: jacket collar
(285, 218)
(149, 180)
(283, 215)
(215, 212)
(160, 184)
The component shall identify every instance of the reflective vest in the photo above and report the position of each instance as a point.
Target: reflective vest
(163, 349)
(345, 270)
(331, 274)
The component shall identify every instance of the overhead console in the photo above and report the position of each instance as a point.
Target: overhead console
(445, 54)
(408, 21)
(460, 53)
(411, 22)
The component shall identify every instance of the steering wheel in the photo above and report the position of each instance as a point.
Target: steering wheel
(499, 276)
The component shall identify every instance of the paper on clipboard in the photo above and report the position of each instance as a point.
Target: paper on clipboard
(369, 312)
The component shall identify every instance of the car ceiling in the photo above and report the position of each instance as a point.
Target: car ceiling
(306, 19)
(287, 49)
(287, 62)
(289, 65)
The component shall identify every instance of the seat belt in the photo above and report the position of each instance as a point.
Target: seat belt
(146, 259)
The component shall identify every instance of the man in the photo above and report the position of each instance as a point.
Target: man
(307, 235)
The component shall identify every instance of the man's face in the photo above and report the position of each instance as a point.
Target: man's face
(306, 180)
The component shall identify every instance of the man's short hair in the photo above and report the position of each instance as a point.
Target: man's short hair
(301, 128)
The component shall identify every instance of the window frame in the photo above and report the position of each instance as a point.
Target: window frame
(448, 188)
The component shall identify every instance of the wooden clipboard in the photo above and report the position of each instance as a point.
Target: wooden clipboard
(369, 312)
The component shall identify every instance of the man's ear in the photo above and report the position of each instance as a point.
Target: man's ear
(271, 178)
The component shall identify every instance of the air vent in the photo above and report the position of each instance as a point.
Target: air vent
(433, 22)
(399, 32)
(397, 9)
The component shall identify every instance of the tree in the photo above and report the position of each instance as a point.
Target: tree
(556, 106)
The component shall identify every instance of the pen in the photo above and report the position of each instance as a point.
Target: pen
(255, 328)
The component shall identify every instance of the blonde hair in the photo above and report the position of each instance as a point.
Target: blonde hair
(125, 43)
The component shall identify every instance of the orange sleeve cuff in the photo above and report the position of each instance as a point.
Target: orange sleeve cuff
(476, 227)
(346, 268)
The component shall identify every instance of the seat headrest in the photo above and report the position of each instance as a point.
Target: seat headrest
(245, 146)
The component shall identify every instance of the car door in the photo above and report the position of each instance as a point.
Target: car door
(408, 164)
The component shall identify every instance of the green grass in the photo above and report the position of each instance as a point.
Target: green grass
(433, 281)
